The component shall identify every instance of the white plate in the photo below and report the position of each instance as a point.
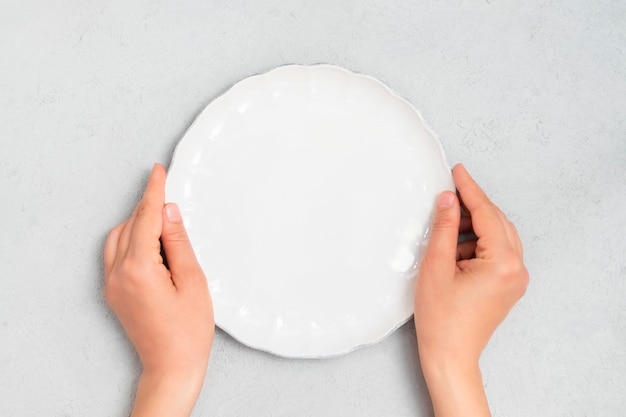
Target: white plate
(307, 193)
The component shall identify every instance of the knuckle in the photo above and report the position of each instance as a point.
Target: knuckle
(142, 210)
(131, 269)
(114, 232)
(495, 210)
(127, 269)
(111, 234)
(175, 235)
(427, 264)
(513, 228)
(110, 292)
(123, 280)
(514, 274)
(443, 223)
(524, 281)
(433, 265)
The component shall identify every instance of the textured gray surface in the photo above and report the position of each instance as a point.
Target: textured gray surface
(530, 96)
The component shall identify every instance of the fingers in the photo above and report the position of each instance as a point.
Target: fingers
(514, 236)
(472, 196)
(178, 250)
(466, 250)
(441, 249)
(127, 231)
(148, 220)
(110, 247)
(466, 224)
(487, 219)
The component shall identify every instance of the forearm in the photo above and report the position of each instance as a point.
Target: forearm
(455, 389)
(168, 395)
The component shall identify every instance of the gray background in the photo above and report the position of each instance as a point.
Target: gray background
(529, 95)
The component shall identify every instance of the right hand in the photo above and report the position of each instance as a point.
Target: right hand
(464, 291)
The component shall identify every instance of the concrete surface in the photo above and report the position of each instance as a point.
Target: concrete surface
(530, 95)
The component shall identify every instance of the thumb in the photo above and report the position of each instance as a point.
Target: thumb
(441, 249)
(181, 258)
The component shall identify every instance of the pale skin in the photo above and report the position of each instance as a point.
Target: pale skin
(462, 293)
(166, 313)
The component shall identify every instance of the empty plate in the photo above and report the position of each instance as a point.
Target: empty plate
(307, 193)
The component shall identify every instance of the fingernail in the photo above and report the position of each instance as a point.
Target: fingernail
(172, 212)
(445, 200)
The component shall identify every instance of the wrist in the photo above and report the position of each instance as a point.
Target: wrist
(168, 392)
(455, 384)
(444, 371)
(441, 362)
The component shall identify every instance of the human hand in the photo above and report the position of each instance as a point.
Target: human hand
(166, 313)
(463, 292)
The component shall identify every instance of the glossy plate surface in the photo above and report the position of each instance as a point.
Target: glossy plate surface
(307, 193)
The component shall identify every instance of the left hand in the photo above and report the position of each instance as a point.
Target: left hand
(166, 313)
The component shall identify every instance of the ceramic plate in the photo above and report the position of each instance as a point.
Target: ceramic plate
(307, 193)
